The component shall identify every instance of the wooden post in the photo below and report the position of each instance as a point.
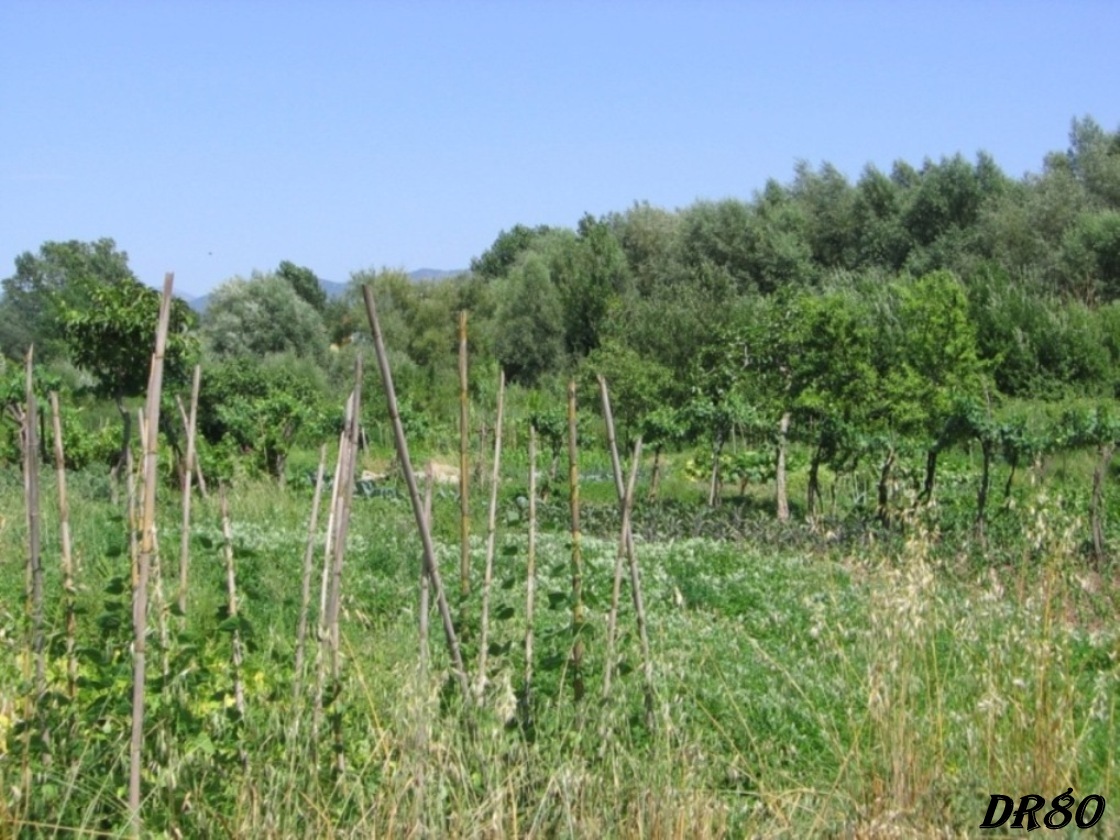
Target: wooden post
(68, 588)
(531, 566)
(626, 494)
(491, 528)
(305, 587)
(185, 535)
(235, 637)
(34, 535)
(147, 549)
(577, 555)
(414, 496)
(464, 467)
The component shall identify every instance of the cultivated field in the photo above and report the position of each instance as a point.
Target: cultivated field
(828, 682)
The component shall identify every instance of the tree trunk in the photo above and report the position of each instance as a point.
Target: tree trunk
(884, 513)
(987, 450)
(1096, 508)
(1010, 478)
(814, 494)
(931, 474)
(655, 476)
(713, 490)
(780, 469)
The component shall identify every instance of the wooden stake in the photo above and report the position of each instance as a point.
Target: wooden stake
(68, 589)
(577, 554)
(625, 495)
(328, 544)
(155, 573)
(414, 496)
(236, 655)
(305, 588)
(625, 550)
(345, 480)
(147, 549)
(464, 466)
(531, 565)
(491, 529)
(34, 536)
(188, 423)
(324, 622)
(185, 535)
(425, 583)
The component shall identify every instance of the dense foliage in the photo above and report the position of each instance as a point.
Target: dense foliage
(923, 366)
(868, 324)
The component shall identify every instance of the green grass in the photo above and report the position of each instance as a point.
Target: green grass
(807, 684)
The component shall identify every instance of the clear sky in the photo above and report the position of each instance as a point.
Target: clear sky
(215, 137)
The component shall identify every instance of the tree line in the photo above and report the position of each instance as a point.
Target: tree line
(880, 320)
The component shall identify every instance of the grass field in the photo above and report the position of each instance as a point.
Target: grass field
(833, 683)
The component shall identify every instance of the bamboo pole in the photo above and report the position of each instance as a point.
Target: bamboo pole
(189, 423)
(423, 733)
(328, 545)
(185, 534)
(147, 549)
(155, 574)
(324, 622)
(34, 526)
(624, 537)
(33, 571)
(68, 588)
(577, 554)
(491, 530)
(236, 654)
(132, 491)
(625, 495)
(464, 466)
(425, 584)
(625, 550)
(531, 570)
(305, 587)
(345, 481)
(414, 496)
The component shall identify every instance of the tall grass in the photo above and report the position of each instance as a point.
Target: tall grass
(879, 692)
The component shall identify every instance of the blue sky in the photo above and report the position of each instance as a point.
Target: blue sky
(212, 138)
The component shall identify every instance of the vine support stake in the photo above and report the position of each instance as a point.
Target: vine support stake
(414, 496)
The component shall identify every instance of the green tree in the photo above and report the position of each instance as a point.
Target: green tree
(259, 316)
(647, 236)
(530, 331)
(112, 336)
(882, 240)
(828, 203)
(930, 364)
(46, 284)
(263, 408)
(1090, 256)
(500, 257)
(591, 274)
(306, 284)
(1094, 159)
(943, 212)
(638, 386)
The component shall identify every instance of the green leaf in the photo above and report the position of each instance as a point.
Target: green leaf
(116, 586)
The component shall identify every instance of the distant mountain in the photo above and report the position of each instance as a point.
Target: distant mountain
(421, 274)
(334, 290)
